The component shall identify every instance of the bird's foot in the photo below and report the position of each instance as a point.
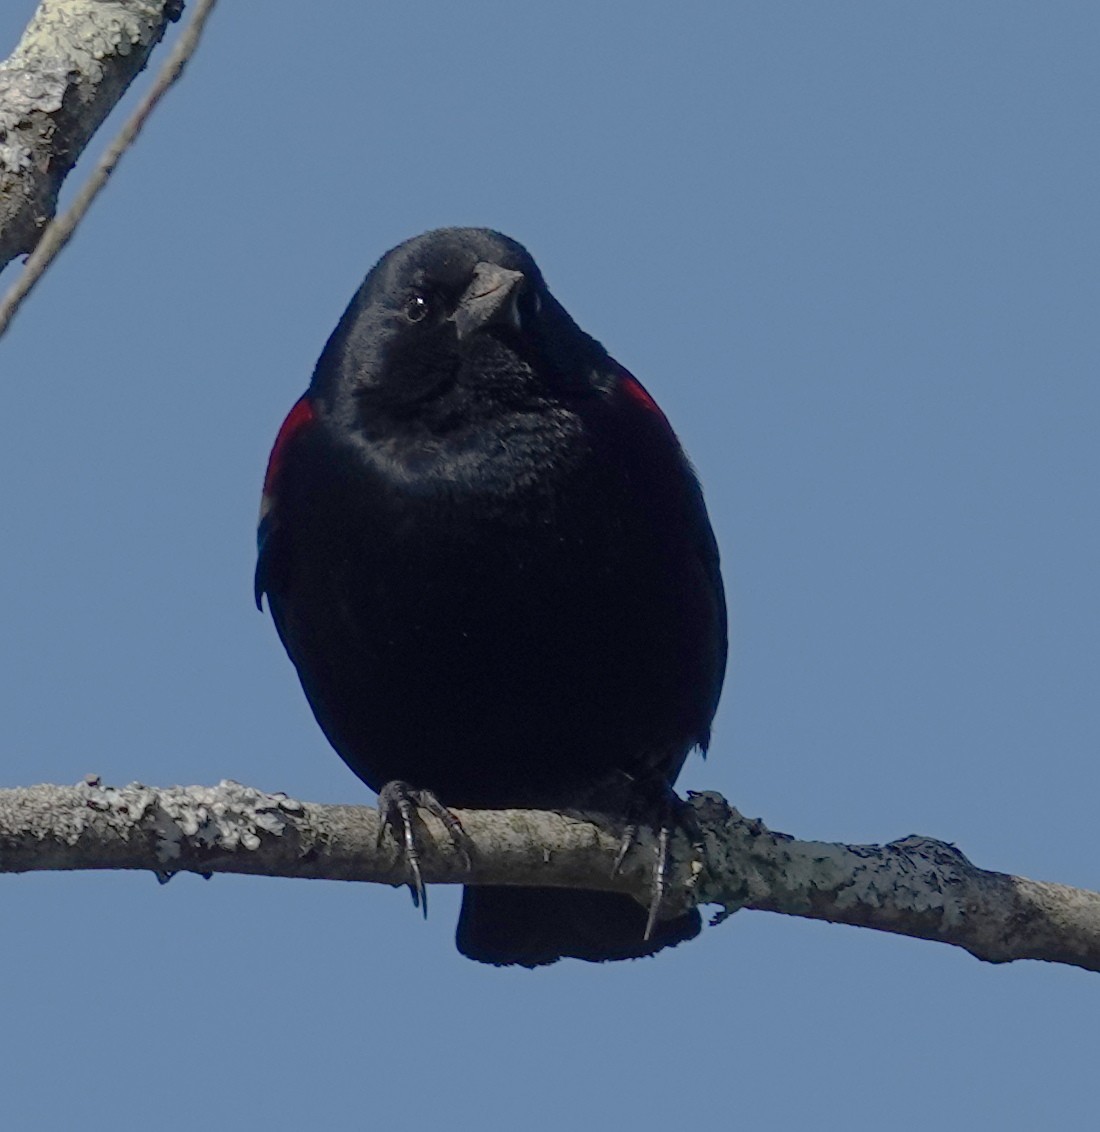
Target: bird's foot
(668, 812)
(397, 806)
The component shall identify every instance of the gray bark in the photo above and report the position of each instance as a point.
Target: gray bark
(73, 64)
(915, 887)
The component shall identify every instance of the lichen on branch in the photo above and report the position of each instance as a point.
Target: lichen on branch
(915, 886)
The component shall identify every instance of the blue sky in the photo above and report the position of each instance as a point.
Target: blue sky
(852, 250)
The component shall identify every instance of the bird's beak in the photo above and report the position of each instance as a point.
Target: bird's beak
(490, 300)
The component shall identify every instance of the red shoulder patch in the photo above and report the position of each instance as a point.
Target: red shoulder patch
(301, 415)
(638, 393)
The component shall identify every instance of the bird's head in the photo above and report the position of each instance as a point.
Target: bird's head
(455, 317)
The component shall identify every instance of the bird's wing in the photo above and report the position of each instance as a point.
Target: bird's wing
(267, 532)
(641, 407)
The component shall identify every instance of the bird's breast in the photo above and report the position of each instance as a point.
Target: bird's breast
(448, 604)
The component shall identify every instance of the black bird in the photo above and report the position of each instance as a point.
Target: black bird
(490, 562)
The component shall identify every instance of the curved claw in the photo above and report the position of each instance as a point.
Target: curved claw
(660, 880)
(426, 800)
(397, 803)
(630, 835)
(672, 813)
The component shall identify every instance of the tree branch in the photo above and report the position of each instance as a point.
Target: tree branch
(915, 887)
(74, 62)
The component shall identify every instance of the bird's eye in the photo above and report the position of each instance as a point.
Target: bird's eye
(416, 308)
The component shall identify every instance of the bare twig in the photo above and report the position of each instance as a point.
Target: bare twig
(60, 230)
(915, 887)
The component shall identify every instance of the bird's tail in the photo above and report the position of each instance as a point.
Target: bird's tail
(535, 926)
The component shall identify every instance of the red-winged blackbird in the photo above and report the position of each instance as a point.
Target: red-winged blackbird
(490, 562)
